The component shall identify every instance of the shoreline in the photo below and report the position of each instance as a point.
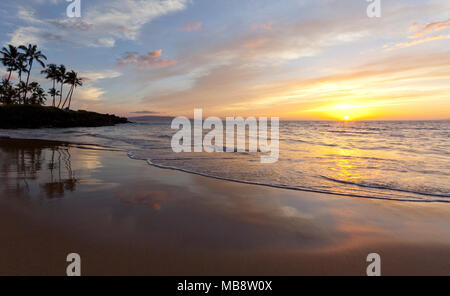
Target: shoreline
(348, 195)
(126, 217)
(294, 188)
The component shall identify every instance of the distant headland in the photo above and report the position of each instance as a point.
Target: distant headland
(35, 116)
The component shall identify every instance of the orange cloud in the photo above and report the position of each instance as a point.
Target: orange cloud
(154, 54)
(192, 26)
(414, 26)
(417, 41)
(421, 31)
(428, 28)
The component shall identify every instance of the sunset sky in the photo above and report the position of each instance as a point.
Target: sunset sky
(318, 59)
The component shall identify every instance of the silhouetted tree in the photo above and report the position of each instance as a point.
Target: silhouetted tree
(51, 73)
(61, 78)
(9, 59)
(22, 62)
(7, 92)
(73, 80)
(38, 96)
(54, 93)
(32, 54)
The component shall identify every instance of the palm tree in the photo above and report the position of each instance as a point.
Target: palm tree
(37, 94)
(54, 93)
(7, 92)
(32, 53)
(61, 78)
(9, 59)
(21, 87)
(51, 73)
(21, 65)
(74, 81)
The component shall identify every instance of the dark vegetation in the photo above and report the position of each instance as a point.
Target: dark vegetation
(35, 116)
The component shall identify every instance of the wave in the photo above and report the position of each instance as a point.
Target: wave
(131, 155)
(385, 187)
(351, 132)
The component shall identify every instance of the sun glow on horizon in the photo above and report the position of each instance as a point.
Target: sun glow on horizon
(346, 111)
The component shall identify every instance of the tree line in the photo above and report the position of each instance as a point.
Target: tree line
(20, 60)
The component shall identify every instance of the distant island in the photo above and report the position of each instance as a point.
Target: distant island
(22, 103)
(151, 118)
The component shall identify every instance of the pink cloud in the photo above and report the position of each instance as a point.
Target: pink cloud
(153, 59)
(130, 55)
(256, 43)
(192, 26)
(125, 30)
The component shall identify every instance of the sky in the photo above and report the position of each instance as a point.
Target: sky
(293, 59)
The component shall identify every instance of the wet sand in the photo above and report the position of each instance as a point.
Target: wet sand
(125, 217)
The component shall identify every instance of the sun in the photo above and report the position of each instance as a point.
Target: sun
(346, 117)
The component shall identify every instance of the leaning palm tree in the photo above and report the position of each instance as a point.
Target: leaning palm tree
(9, 59)
(61, 78)
(32, 53)
(74, 81)
(51, 73)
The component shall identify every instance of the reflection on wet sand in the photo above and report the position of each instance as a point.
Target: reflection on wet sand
(125, 217)
(49, 164)
(151, 198)
(57, 185)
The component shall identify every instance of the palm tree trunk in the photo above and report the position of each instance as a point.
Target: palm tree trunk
(54, 93)
(70, 98)
(20, 80)
(9, 77)
(60, 95)
(67, 97)
(26, 85)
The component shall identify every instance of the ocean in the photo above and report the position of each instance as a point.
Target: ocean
(391, 160)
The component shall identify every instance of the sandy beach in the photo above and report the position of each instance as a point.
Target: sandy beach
(125, 217)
